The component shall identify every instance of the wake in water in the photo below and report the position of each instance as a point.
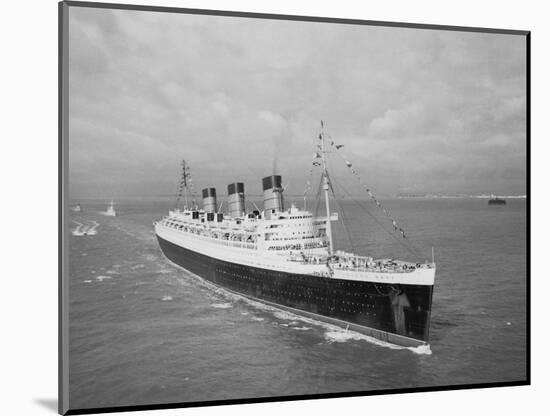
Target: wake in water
(221, 305)
(85, 229)
(92, 230)
(333, 333)
(139, 233)
(337, 334)
(137, 266)
(78, 230)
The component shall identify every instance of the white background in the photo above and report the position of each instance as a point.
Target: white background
(28, 232)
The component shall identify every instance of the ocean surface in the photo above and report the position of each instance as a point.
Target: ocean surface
(144, 331)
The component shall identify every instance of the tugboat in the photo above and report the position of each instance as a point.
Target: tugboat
(496, 201)
(111, 210)
(286, 258)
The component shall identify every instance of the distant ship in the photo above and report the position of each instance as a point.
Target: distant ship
(286, 258)
(496, 201)
(111, 210)
(76, 208)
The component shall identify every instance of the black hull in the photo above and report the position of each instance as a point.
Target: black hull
(399, 314)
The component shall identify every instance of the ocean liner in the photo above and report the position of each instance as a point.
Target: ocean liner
(285, 258)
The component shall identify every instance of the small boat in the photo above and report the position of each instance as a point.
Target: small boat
(496, 201)
(76, 208)
(111, 210)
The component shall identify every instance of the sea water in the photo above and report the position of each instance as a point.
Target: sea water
(144, 331)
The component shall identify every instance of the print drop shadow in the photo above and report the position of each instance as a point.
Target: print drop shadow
(50, 404)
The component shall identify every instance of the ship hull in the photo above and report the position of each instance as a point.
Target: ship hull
(394, 313)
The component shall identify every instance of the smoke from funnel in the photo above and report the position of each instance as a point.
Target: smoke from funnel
(275, 162)
(275, 129)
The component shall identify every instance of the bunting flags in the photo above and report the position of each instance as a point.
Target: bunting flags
(396, 227)
(317, 155)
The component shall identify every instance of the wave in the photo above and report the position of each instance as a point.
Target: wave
(166, 298)
(125, 231)
(150, 257)
(341, 335)
(421, 349)
(286, 316)
(137, 266)
(337, 334)
(139, 233)
(221, 305)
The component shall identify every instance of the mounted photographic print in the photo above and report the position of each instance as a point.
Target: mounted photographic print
(264, 207)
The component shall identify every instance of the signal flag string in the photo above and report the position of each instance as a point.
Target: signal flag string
(386, 212)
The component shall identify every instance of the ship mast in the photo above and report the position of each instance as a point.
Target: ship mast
(326, 188)
(183, 184)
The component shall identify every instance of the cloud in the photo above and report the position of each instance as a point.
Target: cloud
(239, 98)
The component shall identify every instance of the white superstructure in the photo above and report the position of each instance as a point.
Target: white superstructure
(292, 241)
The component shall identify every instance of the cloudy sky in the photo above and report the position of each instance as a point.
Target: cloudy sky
(417, 110)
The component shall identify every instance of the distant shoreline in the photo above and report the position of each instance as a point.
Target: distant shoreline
(460, 196)
(359, 197)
